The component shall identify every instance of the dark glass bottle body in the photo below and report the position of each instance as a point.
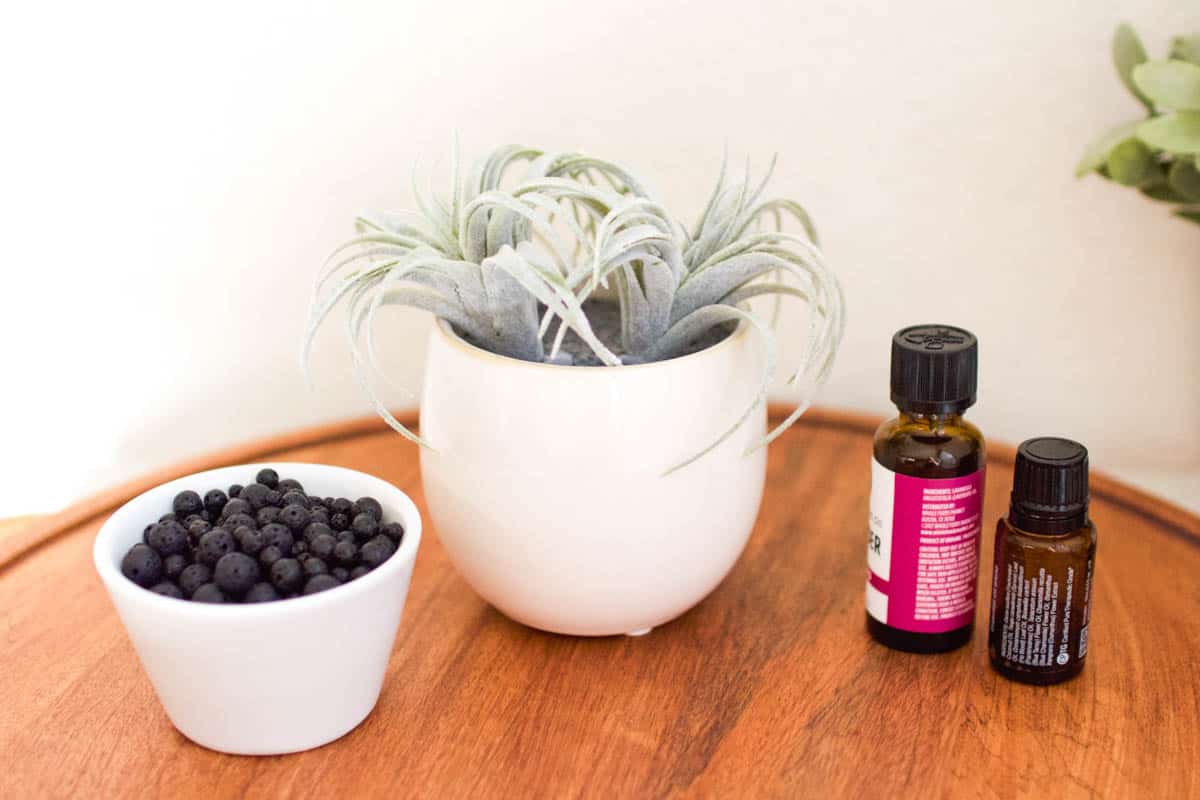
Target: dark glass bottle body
(1053, 565)
(927, 446)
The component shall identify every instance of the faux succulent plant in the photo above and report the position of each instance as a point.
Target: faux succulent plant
(515, 269)
(1158, 154)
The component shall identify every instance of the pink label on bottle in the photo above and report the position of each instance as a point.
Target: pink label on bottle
(923, 550)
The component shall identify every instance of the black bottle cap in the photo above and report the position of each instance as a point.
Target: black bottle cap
(1050, 486)
(933, 369)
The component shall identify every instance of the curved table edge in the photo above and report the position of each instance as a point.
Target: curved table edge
(1175, 520)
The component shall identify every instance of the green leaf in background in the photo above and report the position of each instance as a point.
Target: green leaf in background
(1185, 179)
(1171, 84)
(1194, 216)
(1127, 53)
(1175, 133)
(1096, 155)
(1186, 48)
(1162, 193)
(1130, 163)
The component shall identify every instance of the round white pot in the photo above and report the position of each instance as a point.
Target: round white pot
(546, 485)
(270, 677)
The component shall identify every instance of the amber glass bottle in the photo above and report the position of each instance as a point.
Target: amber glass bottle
(926, 496)
(1043, 572)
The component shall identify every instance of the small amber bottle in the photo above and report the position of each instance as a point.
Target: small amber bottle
(926, 496)
(1043, 571)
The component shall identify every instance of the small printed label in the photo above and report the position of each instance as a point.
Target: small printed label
(923, 550)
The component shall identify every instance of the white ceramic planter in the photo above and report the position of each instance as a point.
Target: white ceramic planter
(271, 677)
(546, 482)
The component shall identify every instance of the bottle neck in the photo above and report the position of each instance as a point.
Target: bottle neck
(1045, 522)
(932, 422)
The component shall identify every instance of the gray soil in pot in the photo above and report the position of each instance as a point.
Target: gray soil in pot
(605, 317)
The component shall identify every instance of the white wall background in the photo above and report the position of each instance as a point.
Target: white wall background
(170, 177)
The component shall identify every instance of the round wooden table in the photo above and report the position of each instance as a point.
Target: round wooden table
(770, 687)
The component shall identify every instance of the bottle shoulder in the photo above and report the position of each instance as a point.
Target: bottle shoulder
(930, 449)
(1079, 542)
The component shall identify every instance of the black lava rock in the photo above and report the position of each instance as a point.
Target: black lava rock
(187, 502)
(365, 526)
(295, 498)
(236, 506)
(314, 566)
(142, 565)
(316, 529)
(295, 516)
(261, 593)
(377, 551)
(236, 573)
(265, 541)
(249, 540)
(345, 553)
(278, 535)
(287, 575)
(267, 477)
(215, 544)
(197, 529)
(167, 589)
(214, 502)
(321, 583)
(369, 505)
(266, 515)
(392, 530)
(269, 555)
(256, 495)
(168, 538)
(235, 521)
(323, 546)
(209, 593)
(174, 565)
(193, 577)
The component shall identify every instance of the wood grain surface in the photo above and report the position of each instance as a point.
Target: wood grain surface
(770, 687)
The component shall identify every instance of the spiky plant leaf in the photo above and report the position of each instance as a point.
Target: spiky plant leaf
(503, 266)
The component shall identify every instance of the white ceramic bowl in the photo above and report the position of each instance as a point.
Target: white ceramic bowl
(272, 677)
(546, 482)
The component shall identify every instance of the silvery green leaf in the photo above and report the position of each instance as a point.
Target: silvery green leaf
(776, 208)
(1176, 133)
(573, 229)
(1186, 48)
(646, 304)
(362, 373)
(1130, 163)
(1096, 155)
(1128, 53)
(1170, 84)
(547, 287)
(709, 286)
(500, 231)
(1184, 178)
(513, 313)
(622, 178)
